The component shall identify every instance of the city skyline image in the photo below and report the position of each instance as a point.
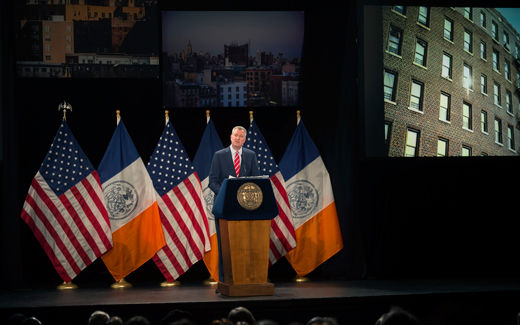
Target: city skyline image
(208, 31)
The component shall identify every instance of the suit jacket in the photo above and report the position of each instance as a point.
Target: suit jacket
(222, 167)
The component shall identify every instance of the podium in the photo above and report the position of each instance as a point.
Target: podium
(243, 209)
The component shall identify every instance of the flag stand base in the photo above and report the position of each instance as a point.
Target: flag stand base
(169, 284)
(210, 282)
(121, 284)
(67, 286)
(301, 279)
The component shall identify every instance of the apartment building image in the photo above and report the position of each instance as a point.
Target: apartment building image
(451, 82)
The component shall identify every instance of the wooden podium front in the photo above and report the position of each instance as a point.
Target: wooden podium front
(245, 257)
(243, 237)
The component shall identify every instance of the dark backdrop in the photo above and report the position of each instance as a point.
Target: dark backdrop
(399, 217)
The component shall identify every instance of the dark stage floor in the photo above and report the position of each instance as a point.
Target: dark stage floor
(454, 301)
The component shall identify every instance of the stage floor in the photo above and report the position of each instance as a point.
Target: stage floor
(360, 301)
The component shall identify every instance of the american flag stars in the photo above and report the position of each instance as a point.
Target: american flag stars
(65, 163)
(169, 164)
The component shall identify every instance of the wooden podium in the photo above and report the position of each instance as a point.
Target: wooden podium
(244, 223)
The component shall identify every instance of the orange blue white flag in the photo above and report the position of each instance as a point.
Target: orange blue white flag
(134, 215)
(315, 219)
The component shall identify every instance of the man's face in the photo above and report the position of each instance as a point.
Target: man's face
(238, 137)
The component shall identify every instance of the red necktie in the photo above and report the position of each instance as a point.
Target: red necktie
(237, 163)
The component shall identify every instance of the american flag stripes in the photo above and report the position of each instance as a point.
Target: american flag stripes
(65, 207)
(179, 195)
(282, 231)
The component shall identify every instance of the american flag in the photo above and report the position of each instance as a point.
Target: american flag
(179, 195)
(65, 207)
(282, 231)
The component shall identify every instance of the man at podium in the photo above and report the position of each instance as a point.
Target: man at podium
(234, 161)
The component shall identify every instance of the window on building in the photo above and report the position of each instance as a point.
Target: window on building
(448, 29)
(496, 94)
(442, 147)
(412, 143)
(498, 130)
(446, 65)
(483, 84)
(511, 137)
(509, 101)
(468, 13)
(517, 51)
(468, 41)
(388, 129)
(390, 82)
(466, 116)
(494, 30)
(395, 40)
(483, 121)
(416, 96)
(483, 52)
(421, 48)
(424, 16)
(445, 107)
(400, 9)
(507, 70)
(483, 21)
(496, 60)
(505, 37)
(467, 77)
(466, 151)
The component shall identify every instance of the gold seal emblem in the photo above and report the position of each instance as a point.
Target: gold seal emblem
(250, 196)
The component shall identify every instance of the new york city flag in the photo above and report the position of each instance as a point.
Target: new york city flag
(130, 196)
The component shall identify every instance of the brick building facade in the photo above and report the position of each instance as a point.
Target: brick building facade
(451, 82)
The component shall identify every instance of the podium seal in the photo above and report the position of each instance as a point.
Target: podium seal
(250, 196)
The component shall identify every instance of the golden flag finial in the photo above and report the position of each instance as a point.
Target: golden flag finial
(118, 116)
(250, 116)
(297, 117)
(64, 107)
(207, 116)
(166, 116)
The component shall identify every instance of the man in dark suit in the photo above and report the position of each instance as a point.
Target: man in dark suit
(234, 161)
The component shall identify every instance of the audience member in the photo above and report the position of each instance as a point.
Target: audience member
(31, 321)
(16, 319)
(114, 320)
(265, 322)
(398, 316)
(138, 320)
(98, 317)
(241, 314)
(177, 315)
(322, 321)
(222, 321)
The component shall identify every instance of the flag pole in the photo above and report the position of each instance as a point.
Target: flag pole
(121, 284)
(298, 278)
(174, 283)
(209, 281)
(66, 285)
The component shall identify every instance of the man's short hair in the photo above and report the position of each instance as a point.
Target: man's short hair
(239, 127)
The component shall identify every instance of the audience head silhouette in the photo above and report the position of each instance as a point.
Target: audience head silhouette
(241, 314)
(98, 317)
(322, 321)
(398, 316)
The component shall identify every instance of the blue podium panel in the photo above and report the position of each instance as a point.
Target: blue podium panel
(226, 204)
